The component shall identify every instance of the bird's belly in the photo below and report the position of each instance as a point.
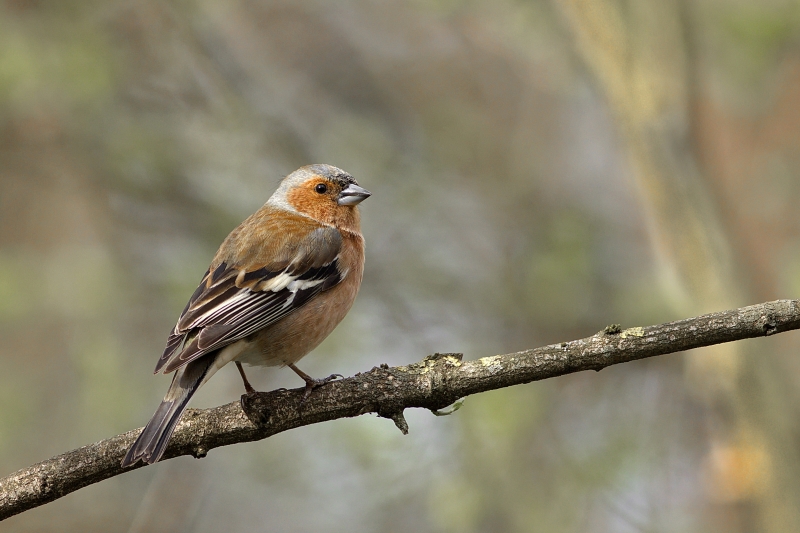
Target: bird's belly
(290, 339)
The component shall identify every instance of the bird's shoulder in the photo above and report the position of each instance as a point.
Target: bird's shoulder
(272, 238)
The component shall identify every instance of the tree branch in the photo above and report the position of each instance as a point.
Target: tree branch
(433, 383)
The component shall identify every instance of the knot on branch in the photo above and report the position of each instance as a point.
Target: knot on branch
(259, 415)
(769, 326)
(44, 484)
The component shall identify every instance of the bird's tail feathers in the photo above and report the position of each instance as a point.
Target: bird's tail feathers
(153, 440)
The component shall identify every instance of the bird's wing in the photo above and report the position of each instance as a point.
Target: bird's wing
(233, 302)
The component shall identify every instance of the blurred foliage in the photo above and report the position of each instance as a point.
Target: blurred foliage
(507, 213)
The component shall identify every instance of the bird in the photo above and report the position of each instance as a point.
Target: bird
(278, 285)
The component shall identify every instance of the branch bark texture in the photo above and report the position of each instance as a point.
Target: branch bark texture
(434, 383)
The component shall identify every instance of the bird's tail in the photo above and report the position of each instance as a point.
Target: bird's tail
(151, 443)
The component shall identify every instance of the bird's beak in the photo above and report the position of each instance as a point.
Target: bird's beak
(353, 195)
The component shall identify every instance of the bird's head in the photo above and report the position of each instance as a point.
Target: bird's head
(323, 192)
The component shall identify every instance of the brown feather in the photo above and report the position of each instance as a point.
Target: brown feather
(210, 323)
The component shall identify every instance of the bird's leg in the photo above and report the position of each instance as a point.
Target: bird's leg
(311, 383)
(247, 387)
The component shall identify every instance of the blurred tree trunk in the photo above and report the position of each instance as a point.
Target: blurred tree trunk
(640, 54)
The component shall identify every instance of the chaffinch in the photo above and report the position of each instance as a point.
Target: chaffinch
(277, 286)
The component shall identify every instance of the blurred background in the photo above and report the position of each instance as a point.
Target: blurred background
(539, 168)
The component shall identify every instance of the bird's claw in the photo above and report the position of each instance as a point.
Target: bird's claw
(312, 384)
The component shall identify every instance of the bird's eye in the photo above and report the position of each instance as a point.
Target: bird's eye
(321, 188)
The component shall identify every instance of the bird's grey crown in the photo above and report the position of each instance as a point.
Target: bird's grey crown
(336, 175)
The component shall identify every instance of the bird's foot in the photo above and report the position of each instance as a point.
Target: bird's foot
(312, 384)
